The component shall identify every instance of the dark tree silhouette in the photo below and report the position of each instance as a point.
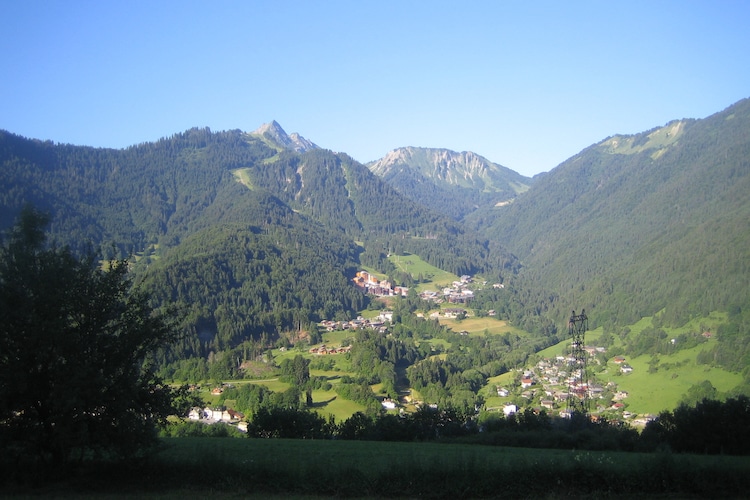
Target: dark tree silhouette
(74, 337)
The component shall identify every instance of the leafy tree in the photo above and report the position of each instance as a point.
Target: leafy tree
(710, 426)
(74, 340)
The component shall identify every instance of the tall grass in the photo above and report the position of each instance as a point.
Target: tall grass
(243, 467)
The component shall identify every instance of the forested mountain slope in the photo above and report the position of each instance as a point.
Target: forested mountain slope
(251, 236)
(638, 224)
(448, 182)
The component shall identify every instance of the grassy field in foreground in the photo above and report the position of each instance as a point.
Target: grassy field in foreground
(278, 467)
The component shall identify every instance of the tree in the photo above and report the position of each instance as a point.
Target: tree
(74, 341)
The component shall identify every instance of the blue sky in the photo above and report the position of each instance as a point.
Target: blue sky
(525, 84)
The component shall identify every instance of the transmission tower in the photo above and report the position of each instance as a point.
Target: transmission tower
(578, 381)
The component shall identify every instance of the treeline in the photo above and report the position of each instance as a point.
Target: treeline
(709, 427)
(732, 350)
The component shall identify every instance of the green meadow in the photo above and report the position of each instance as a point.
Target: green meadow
(415, 266)
(263, 468)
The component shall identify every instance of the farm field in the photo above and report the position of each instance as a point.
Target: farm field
(259, 468)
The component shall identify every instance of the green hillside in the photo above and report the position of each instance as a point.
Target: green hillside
(638, 224)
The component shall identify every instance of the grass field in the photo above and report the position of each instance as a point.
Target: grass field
(415, 266)
(480, 326)
(257, 468)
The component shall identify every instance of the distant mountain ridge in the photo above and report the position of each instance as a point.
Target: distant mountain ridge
(451, 182)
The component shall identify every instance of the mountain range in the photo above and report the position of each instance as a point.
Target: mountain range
(258, 234)
(452, 183)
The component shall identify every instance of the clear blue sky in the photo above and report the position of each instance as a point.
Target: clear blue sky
(525, 84)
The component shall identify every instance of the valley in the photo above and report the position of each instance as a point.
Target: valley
(260, 241)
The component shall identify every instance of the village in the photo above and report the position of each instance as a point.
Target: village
(544, 386)
(549, 382)
(457, 293)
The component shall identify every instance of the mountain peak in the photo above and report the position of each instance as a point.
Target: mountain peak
(274, 133)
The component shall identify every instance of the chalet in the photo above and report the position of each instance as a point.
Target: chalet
(388, 404)
(510, 409)
(619, 360)
(620, 395)
(453, 312)
(235, 415)
(626, 369)
(527, 382)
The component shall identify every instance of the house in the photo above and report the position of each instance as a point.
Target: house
(235, 415)
(510, 409)
(619, 360)
(388, 404)
(527, 382)
(453, 312)
(626, 369)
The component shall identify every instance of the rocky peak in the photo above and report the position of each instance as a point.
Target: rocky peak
(275, 134)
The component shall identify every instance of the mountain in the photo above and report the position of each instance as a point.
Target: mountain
(250, 238)
(449, 182)
(635, 225)
(276, 137)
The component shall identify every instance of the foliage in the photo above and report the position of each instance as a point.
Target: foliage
(710, 426)
(288, 423)
(193, 428)
(74, 347)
